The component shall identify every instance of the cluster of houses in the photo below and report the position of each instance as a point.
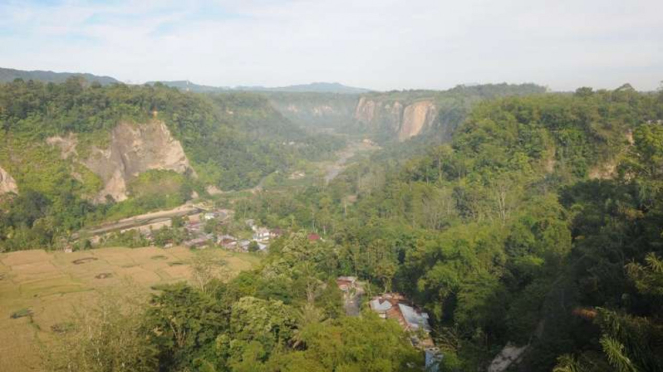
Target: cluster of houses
(261, 235)
(394, 306)
(196, 230)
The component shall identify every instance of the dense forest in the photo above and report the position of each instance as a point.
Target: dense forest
(231, 140)
(539, 225)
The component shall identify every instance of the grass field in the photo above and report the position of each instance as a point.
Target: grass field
(39, 289)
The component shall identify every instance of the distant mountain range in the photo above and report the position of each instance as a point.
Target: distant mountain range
(9, 74)
(312, 87)
(188, 86)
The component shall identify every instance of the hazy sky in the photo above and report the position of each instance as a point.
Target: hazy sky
(379, 44)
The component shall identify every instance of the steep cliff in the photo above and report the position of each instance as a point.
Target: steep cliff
(416, 117)
(393, 115)
(376, 114)
(401, 119)
(7, 183)
(133, 149)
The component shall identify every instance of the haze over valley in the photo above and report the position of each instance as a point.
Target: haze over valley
(315, 186)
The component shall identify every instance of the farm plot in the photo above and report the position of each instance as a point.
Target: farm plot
(39, 290)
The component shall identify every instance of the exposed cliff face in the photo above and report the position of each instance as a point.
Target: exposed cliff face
(405, 121)
(416, 117)
(133, 149)
(365, 111)
(7, 183)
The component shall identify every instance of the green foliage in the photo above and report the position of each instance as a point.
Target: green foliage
(106, 337)
(232, 141)
(184, 324)
(502, 234)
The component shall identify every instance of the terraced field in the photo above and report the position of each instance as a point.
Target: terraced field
(39, 289)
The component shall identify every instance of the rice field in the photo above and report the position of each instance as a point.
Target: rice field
(39, 289)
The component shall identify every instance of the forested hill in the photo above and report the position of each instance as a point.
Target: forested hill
(76, 152)
(540, 225)
(334, 88)
(318, 87)
(9, 75)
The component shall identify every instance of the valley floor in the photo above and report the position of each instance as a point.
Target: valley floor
(40, 290)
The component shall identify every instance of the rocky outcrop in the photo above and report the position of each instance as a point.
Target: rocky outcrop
(365, 111)
(416, 117)
(404, 120)
(378, 115)
(135, 149)
(7, 183)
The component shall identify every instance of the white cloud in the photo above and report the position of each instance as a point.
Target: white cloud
(382, 44)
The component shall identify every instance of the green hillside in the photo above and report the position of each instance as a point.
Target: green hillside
(539, 225)
(231, 142)
(8, 75)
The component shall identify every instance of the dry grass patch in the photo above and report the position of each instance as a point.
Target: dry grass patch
(178, 272)
(17, 345)
(52, 286)
(24, 257)
(42, 288)
(56, 309)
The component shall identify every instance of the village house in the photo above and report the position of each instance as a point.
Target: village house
(395, 306)
(346, 283)
(261, 234)
(194, 227)
(200, 241)
(227, 241)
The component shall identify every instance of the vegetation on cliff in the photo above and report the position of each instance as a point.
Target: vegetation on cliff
(539, 224)
(511, 234)
(232, 141)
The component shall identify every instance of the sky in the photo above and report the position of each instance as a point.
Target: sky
(376, 44)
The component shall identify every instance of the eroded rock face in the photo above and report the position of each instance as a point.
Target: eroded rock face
(405, 121)
(7, 183)
(135, 149)
(379, 115)
(365, 111)
(416, 117)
